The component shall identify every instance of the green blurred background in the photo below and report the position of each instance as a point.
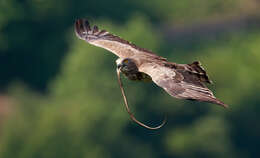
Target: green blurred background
(59, 96)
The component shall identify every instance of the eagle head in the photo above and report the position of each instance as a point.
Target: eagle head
(126, 65)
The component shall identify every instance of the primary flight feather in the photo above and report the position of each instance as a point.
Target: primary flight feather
(183, 81)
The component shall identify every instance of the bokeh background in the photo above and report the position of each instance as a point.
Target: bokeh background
(59, 96)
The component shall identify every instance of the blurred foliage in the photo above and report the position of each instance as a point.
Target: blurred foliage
(63, 97)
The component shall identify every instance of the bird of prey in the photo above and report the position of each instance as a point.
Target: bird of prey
(182, 81)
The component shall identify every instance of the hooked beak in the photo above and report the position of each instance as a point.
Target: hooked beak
(119, 66)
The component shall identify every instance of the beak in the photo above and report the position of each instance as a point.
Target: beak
(119, 66)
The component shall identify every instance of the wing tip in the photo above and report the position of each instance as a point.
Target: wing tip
(84, 31)
(218, 102)
(82, 28)
(78, 27)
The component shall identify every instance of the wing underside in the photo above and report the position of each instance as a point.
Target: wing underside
(176, 84)
(108, 41)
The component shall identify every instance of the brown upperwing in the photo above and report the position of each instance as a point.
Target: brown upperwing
(180, 81)
(108, 41)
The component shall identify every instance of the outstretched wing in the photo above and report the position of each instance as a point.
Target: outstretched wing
(106, 40)
(180, 81)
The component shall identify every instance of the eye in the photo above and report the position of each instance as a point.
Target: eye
(126, 61)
